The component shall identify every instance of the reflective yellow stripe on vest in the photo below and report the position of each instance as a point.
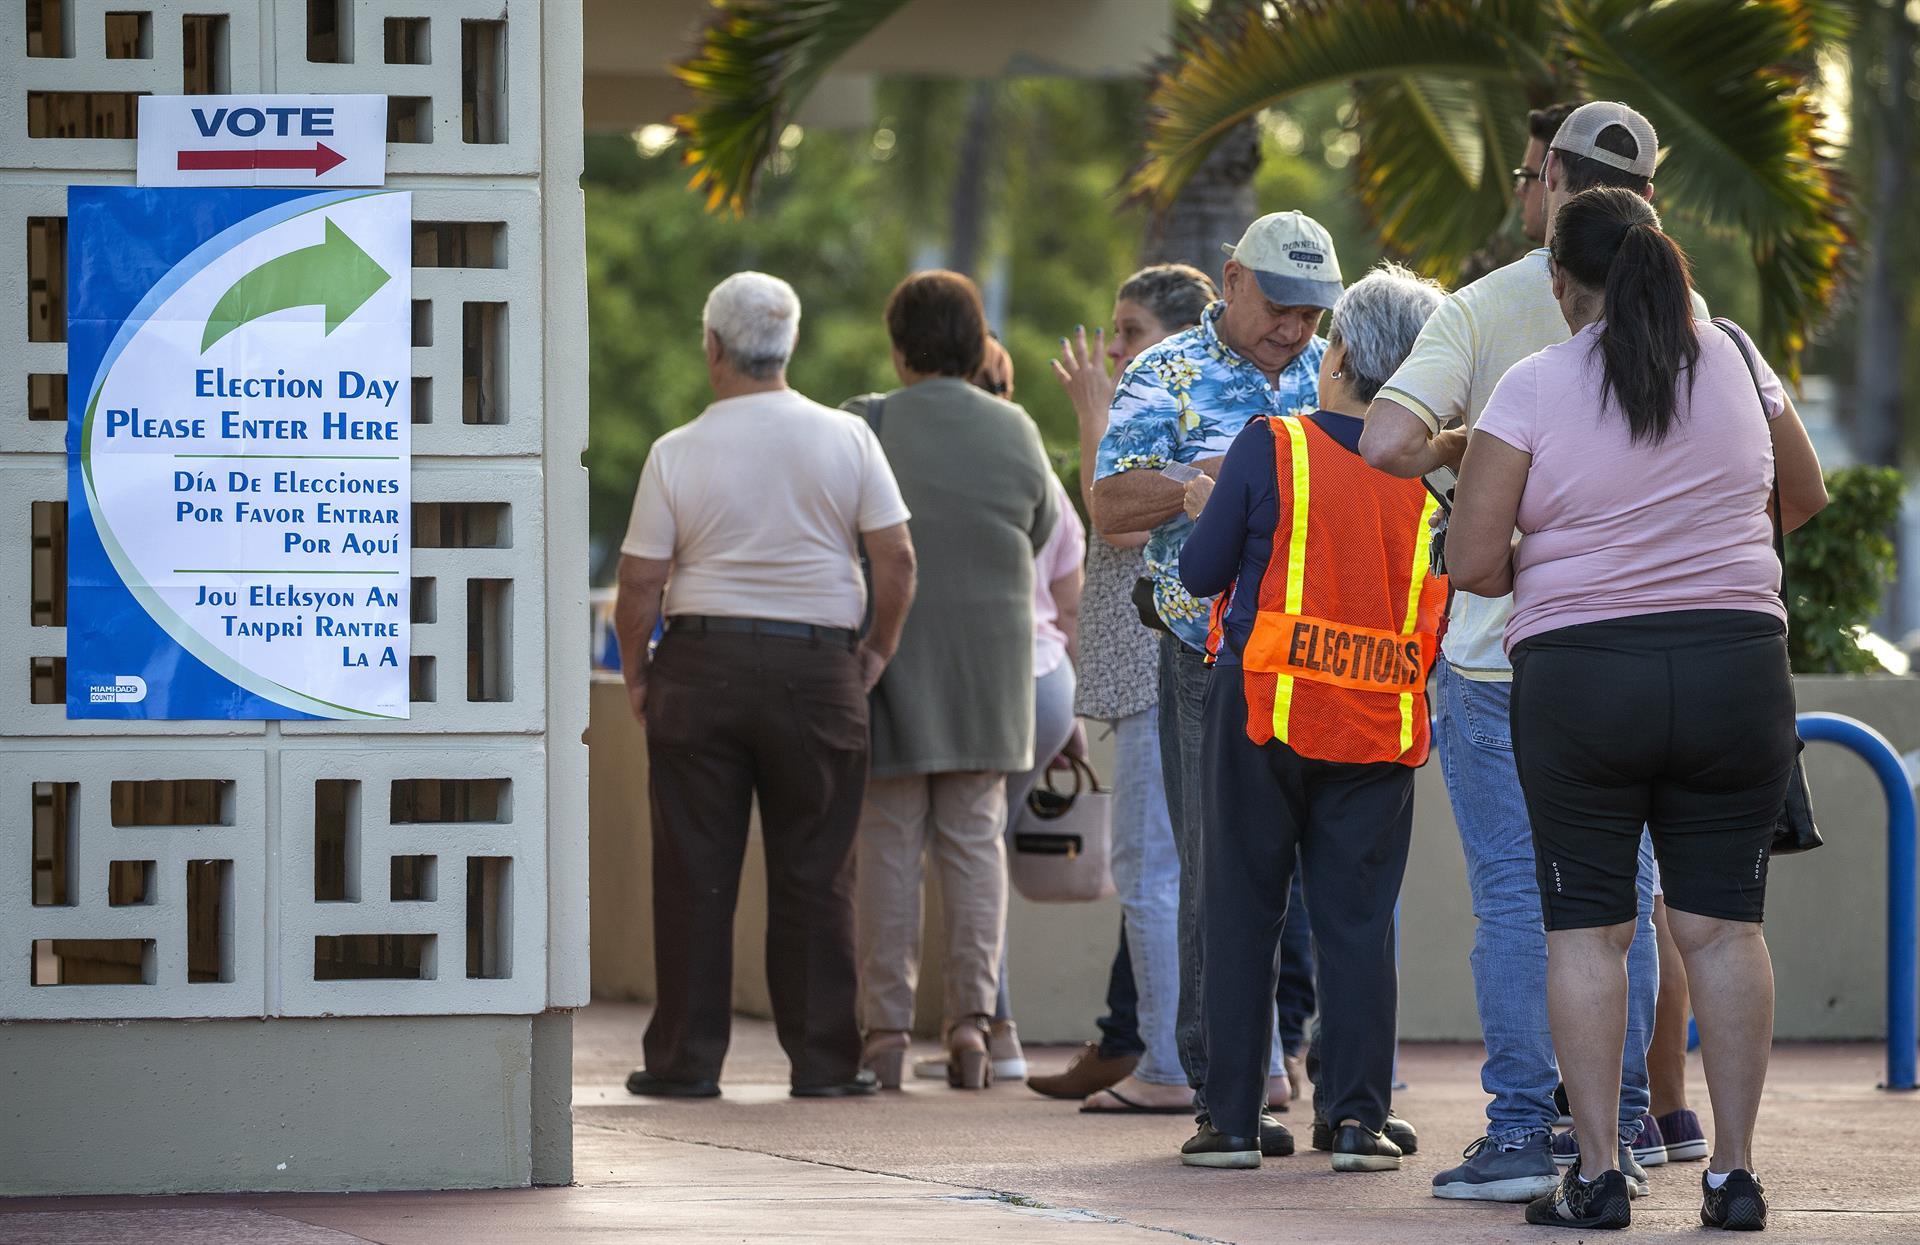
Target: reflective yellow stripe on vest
(1416, 586)
(1289, 426)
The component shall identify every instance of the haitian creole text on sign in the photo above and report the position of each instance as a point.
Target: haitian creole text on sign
(238, 440)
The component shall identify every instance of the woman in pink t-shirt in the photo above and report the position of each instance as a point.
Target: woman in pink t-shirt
(1648, 641)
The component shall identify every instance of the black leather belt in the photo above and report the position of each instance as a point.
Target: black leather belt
(842, 636)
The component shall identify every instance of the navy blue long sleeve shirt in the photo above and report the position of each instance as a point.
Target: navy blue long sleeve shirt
(1233, 537)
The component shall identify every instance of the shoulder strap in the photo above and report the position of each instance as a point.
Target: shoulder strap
(1779, 534)
(876, 406)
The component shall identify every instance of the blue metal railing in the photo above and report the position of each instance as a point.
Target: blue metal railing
(1903, 884)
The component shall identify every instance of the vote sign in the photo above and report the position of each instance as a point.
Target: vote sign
(239, 432)
(262, 140)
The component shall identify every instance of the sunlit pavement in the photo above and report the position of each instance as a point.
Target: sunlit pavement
(930, 1164)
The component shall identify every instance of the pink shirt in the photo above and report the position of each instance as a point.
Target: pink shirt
(1610, 529)
(1060, 557)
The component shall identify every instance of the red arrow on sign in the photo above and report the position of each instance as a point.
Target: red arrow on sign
(319, 158)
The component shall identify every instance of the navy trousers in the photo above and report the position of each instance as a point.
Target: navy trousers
(1348, 828)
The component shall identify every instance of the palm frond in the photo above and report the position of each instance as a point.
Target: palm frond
(1437, 211)
(1722, 84)
(756, 62)
(1222, 77)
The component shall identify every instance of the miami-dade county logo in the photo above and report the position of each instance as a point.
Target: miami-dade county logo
(126, 689)
(280, 335)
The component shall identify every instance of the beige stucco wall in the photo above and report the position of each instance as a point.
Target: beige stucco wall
(1827, 911)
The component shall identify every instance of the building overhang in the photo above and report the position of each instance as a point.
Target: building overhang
(630, 45)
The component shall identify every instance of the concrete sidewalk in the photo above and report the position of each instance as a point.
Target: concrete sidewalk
(1007, 1165)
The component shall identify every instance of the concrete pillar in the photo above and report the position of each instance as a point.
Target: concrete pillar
(267, 1070)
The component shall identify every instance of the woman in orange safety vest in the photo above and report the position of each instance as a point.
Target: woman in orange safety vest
(1316, 716)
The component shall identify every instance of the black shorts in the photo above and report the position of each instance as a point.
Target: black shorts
(1679, 722)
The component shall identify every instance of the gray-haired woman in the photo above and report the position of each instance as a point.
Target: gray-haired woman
(1315, 719)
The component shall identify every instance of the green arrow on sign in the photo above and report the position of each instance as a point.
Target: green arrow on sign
(336, 273)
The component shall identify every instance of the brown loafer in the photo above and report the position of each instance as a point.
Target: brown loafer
(1087, 1074)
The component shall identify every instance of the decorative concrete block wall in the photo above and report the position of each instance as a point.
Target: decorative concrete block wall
(419, 868)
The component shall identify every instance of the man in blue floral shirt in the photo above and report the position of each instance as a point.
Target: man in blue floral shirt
(1256, 352)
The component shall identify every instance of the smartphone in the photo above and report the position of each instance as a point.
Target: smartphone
(1440, 482)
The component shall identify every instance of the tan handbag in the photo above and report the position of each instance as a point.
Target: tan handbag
(1061, 845)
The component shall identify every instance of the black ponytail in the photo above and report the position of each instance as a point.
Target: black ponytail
(1610, 240)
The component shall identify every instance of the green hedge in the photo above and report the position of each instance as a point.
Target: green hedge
(1838, 566)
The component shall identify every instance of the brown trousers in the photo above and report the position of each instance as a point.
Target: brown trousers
(731, 717)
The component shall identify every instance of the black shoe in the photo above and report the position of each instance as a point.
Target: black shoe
(1397, 1130)
(645, 1082)
(1358, 1149)
(864, 1082)
(1739, 1205)
(1605, 1203)
(1209, 1147)
(1276, 1139)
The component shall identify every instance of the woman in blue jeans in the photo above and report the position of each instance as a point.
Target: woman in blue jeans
(1119, 685)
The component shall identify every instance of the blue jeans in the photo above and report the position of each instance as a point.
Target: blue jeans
(1475, 742)
(1146, 872)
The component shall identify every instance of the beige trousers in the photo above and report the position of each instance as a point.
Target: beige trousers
(960, 816)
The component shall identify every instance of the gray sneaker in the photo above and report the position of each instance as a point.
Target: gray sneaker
(1496, 1173)
(1636, 1175)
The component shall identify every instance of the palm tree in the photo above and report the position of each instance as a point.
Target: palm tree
(1440, 88)
(1440, 91)
(1884, 117)
(1217, 201)
(759, 58)
(757, 61)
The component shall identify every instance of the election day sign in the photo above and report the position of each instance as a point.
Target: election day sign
(238, 444)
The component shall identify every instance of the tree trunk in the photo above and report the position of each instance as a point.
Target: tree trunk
(1215, 206)
(967, 221)
(1877, 418)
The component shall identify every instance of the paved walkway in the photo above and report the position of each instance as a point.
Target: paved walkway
(1008, 1166)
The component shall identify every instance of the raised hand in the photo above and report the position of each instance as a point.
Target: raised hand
(1084, 376)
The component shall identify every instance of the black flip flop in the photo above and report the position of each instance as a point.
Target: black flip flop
(1129, 1107)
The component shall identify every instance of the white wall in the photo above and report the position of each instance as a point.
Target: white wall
(529, 460)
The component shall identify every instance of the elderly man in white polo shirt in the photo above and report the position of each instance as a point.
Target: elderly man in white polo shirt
(747, 525)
